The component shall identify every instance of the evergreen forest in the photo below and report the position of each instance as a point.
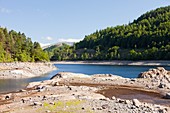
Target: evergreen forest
(15, 46)
(146, 38)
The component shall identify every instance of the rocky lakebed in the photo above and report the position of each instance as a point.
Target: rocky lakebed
(68, 92)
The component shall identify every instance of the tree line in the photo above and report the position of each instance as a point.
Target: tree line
(15, 46)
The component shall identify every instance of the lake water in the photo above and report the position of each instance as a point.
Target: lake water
(125, 71)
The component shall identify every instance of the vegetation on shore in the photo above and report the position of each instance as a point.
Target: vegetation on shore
(15, 46)
(147, 38)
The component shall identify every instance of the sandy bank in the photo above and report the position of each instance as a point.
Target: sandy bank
(116, 62)
(19, 70)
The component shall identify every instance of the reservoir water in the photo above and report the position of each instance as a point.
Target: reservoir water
(124, 71)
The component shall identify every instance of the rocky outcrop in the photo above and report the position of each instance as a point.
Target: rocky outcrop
(158, 78)
(159, 74)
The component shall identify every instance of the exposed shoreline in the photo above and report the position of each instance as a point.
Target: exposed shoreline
(117, 62)
(20, 70)
(97, 93)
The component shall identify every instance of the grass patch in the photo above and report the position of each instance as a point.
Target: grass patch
(70, 106)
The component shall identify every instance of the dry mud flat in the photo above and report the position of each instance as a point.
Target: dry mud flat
(18, 70)
(102, 93)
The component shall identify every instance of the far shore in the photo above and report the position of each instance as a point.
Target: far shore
(117, 62)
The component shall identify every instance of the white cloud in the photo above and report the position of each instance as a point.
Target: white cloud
(4, 10)
(43, 45)
(49, 38)
(69, 40)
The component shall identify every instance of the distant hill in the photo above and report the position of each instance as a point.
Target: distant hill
(147, 38)
(15, 46)
(51, 46)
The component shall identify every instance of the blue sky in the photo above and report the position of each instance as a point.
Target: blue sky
(51, 21)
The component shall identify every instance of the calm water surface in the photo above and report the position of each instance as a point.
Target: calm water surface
(125, 71)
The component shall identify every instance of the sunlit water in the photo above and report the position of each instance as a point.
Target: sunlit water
(125, 71)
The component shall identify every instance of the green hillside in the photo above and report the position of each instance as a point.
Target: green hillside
(150, 30)
(147, 38)
(17, 47)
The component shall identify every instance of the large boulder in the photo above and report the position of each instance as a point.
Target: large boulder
(136, 102)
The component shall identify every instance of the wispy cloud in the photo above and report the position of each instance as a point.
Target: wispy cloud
(69, 40)
(4, 10)
(48, 38)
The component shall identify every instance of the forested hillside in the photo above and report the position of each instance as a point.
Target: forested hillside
(17, 47)
(147, 38)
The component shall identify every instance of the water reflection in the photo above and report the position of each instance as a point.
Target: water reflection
(12, 85)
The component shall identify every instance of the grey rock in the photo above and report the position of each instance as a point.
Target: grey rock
(133, 80)
(58, 75)
(48, 111)
(40, 87)
(105, 106)
(23, 100)
(127, 102)
(167, 96)
(37, 103)
(99, 108)
(7, 97)
(162, 111)
(136, 102)
(44, 97)
(162, 85)
(113, 98)
(22, 90)
(121, 101)
(93, 108)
